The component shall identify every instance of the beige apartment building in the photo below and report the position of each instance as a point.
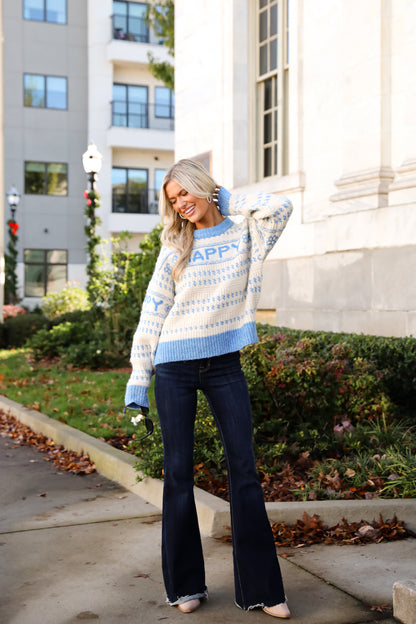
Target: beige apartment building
(75, 71)
(315, 99)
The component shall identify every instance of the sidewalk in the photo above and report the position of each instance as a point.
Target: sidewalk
(85, 548)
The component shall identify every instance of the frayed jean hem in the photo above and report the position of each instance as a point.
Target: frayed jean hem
(187, 598)
(260, 605)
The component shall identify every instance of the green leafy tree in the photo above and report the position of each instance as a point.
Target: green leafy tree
(160, 17)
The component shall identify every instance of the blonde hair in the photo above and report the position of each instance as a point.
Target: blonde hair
(178, 233)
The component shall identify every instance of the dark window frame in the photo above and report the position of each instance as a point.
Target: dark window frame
(45, 264)
(128, 194)
(130, 35)
(127, 102)
(30, 19)
(45, 178)
(171, 104)
(45, 77)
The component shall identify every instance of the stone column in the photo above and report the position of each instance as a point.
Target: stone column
(366, 139)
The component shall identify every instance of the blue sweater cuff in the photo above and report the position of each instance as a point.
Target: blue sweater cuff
(136, 397)
(224, 201)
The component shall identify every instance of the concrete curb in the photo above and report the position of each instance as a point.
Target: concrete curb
(404, 601)
(213, 512)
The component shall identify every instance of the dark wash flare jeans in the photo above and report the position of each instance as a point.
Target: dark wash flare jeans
(257, 576)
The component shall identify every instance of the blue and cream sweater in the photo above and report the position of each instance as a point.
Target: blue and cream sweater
(211, 309)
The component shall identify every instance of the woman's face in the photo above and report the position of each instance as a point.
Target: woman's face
(196, 209)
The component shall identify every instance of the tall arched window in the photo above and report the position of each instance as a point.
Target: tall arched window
(272, 85)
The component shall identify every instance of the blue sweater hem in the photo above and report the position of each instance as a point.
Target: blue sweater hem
(206, 346)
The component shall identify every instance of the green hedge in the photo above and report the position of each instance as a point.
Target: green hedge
(79, 338)
(16, 330)
(394, 358)
(324, 394)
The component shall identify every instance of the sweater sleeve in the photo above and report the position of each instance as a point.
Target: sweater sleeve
(268, 215)
(156, 306)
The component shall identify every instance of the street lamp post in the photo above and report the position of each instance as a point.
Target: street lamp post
(92, 162)
(10, 258)
(13, 199)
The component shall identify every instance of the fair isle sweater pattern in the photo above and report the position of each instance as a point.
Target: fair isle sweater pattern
(211, 309)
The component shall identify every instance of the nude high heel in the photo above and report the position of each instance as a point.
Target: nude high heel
(280, 610)
(189, 606)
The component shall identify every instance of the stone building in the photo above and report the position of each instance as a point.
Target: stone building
(316, 100)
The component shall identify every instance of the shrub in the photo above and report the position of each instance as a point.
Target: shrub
(68, 299)
(208, 452)
(100, 336)
(309, 394)
(81, 342)
(49, 343)
(89, 316)
(92, 354)
(18, 329)
(394, 357)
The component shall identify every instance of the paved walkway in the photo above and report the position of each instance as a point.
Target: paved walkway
(83, 548)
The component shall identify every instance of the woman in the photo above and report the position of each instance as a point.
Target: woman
(198, 312)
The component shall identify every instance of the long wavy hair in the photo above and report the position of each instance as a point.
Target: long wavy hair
(178, 233)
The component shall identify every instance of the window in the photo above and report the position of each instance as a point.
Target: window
(45, 271)
(46, 178)
(129, 21)
(154, 204)
(272, 85)
(130, 106)
(45, 91)
(45, 11)
(159, 175)
(130, 190)
(165, 102)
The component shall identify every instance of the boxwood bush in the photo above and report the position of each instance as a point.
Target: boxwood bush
(319, 395)
(18, 329)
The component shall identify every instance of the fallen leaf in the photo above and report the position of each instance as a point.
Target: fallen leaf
(380, 608)
(63, 459)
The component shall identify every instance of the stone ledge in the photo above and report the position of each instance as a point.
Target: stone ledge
(213, 512)
(404, 601)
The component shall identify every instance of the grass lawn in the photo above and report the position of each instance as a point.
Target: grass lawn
(91, 401)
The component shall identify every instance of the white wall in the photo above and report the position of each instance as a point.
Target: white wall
(345, 258)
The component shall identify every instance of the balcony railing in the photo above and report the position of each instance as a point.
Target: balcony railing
(145, 201)
(141, 115)
(130, 28)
